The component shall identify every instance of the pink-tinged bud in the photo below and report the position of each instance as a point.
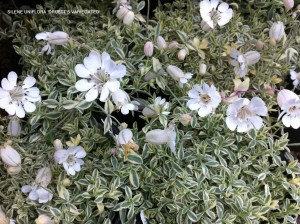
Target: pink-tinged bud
(181, 54)
(285, 95)
(173, 45)
(259, 45)
(13, 170)
(277, 31)
(161, 43)
(10, 156)
(185, 119)
(252, 57)
(288, 4)
(14, 127)
(121, 13)
(128, 18)
(58, 144)
(44, 219)
(3, 219)
(202, 69)
(148, 49)
(269, 90)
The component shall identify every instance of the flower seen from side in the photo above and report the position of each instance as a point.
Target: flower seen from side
(214, 12)
(99, 74)
(244, 114)
(15, 99)
(289, 103)
(160, 106)
(295, 76)
(55, 38)
(122, 101)
(125, 140)
(205, 99)
(71, 158)
(178, 75)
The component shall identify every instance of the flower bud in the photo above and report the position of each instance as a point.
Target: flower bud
(285, 95)
(128, 18)
(252, 57)
(58, 38)
(149, 111)
(14, 127)
(148, 49)
(213, 68)
(67, 182)
(3, 219)
(161, 43)
(202, 69)
(175, 72)
(288, 4)
(43, 177)
(157, 137)
(58, 144)
(277, 31)
(13, 170)
(269, 90)
(173, 45)
(185, 119)
(259, 45)
(10, 156)
(150, 75)
(122, 12)
(272, 42)
(181, 54)
(44, 219)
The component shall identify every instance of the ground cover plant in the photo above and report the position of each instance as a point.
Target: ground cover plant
(178, 117)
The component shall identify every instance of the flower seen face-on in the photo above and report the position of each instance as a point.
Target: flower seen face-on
(99, 75)
(70, 158)
(15, 99)
(289, 103)
(37, 193)
(244, 114)
(204, 98)
(213, 12)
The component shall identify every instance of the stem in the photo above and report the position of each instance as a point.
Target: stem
(294, 144)
(174, 96)
(148, 12)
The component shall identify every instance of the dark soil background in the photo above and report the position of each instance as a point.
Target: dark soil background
(9, 61)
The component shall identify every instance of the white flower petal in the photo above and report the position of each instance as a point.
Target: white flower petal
(29, 107)
(82, 72)
(29, 82)
(231, 123)
(60, 156)
(76, 167)
(256, 121)
(20, 111)
(242, 127)
(118, 72)
(295, 122)
(113, 85)
(223, 7)
(104, 93)
(92, 94)
(42, 36)
(125, 136)
(33, 196)
(204, 111)
(92, 62)
(26, 188)
(84, 85)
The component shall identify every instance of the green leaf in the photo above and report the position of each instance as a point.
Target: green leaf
(69, 104)
(107, 124)
(134, 179)
(55, 212)
(140, 6)
(134, 158)
(108, 107)
(182, 35)
(51, 103)
(192, 216)
(121, 206)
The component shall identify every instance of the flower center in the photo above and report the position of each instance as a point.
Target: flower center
(244, 113)
(17, 93)
(100, 77)
(205, 98)
(293, 109)
(215, 15)
(71, 159)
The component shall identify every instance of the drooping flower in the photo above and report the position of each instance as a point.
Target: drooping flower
(99, 75)
(15, 99)
(204, 98)
(38, 190)
(160, 137)
(125, 140)
(161, 43)
(4, 219)
(55, 38)
(122, 101)
(70, 158)
(289, 103)
(242, 61)
(296, 77)
(244, 114)
(185, 119)
(10, 156)
(277, 31)
(288, 4)
(14, 127)
(160, 106)
(148, 49)
(213, 12)
(181, 54)
(178, 75)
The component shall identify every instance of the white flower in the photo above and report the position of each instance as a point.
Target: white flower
(178, 75)
(289, 102)
(166, 136)
(161, 43)
(125, 140)
(122, 100)
(204, 99)
(213, 12)
(14, 127)
(277, 31)
(38, 190)
(160, 106)
(10, 156)
(57, 38)
(242, 61)
(70, 158)
(16, 99)
(244, 114)
(100, 75)
(148, 49)
(296, 77)
(288, 4)
(37, 193)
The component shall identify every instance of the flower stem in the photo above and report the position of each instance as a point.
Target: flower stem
(175, 96)
(294, 144)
